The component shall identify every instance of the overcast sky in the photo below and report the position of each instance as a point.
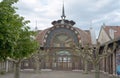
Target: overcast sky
(83, 12)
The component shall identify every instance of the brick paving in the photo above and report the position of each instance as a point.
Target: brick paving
(54, 74)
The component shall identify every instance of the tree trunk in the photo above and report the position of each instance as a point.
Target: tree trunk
(17, 70)
(37, 68)
(86, 67)
(37, 65)
(97, 72)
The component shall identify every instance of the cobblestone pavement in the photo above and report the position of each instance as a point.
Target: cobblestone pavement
(54, 74)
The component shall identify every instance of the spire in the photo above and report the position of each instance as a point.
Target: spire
(63, 13)
(36, 26)
(91, 22)
(92, 33)
(103, 24)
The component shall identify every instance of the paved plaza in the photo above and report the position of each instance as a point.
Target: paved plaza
(54, 74)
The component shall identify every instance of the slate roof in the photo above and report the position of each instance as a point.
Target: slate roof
(115, 28)
(40, 36)
(85, 36)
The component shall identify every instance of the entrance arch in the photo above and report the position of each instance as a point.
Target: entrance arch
(65, 60)
(62, 60)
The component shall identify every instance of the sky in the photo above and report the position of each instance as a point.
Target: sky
(86, 13)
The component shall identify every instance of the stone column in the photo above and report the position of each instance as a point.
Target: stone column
(107, 70)
(7, 66)
(114, 64)
(103, 65)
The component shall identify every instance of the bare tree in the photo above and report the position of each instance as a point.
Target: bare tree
(36, 60)
(38, 57)
(81, 52)
(94, 54)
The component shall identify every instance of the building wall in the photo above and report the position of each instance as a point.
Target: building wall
(6, 66)
(103, 37)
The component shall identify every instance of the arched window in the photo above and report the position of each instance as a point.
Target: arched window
(61, 37)
(63, 53)
(62, 40)
(64, 56)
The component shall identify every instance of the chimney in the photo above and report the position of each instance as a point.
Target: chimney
(111, 32)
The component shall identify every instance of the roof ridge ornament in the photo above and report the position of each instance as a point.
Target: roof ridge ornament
(63, 20)
(63, 12)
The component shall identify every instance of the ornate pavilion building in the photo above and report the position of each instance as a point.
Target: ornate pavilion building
(58, 41)
(57, 48)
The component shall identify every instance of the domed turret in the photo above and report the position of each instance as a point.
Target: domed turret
(63, 20)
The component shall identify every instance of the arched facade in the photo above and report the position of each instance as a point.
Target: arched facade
(61, 37)
(58, 42)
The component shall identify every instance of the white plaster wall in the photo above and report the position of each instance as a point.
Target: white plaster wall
(103, 37)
